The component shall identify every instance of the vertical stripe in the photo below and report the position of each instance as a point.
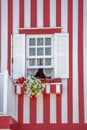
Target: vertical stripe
(46, 13)
(0, 35)
(33, 110)
(52, 13)
(70, 22)
(46, 106)
(64, 24)
(27, 13)
(64, 106)
(80, 61)
(20, 108)
(52, 108)
(85, 59)
(16, 107)
(64, 16)
(75, 62)
(33, 13)
(4, 34)
(21, 16)
(10, 24)
(15, 16)
(58, 13)
(39, 13)
(39, 110)
(58, 108)
(26, 109)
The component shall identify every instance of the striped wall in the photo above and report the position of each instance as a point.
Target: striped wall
(71, 15)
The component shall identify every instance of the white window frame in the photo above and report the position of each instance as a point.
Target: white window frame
(36, 57)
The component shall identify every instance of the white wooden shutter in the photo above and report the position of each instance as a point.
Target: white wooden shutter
(18, 54)
(61, 58)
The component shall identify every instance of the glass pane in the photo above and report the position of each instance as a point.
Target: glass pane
(31, 62)
(40, 51)
(39, 62)
(48, 61)
(39, 41)
(31, 51)
(47, 41)
(32, 42)
(47, 51)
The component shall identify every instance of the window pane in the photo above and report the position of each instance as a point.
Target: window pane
(47, 41)
(31, 51)
(31, 62)
(47, 51)
(32, 42)
(39, 62)
(39, 41)
(48, 61)
(40, 51)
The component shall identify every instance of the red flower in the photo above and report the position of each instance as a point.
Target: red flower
(20, 80)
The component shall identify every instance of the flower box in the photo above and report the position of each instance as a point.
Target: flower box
(20, 90)
(55, 88)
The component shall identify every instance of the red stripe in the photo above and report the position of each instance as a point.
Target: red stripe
(33, 13)
(46, 13)
(33, 110)
(58, 12)
(10, 21)
(80, 61)
(46, 109)
(40, 31)
(21, 16)
(20, 108)
(0, 35)
(58, 108)
(70, 23)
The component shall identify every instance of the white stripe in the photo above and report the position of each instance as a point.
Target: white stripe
(52, 108)
(16, 107)
(15, 16)
(64, 105)
(75, 62)
(39, 110)
(64, 15)
(85, 57)
(26, 13)
(39, 13)
(26, 109)
(52, 13)
(4, 34)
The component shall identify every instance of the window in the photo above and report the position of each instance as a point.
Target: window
(40, 54)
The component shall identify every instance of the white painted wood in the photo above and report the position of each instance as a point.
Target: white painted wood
(18, 89)
(85, 57)
(15, 16)
(1, 92)
(39, 109)
(4, 34)
(64, 15)
(16, 107)
(27, 13)
(58, 90)
(75, 63)
(61, 58)
(48, 88)
(26, 109)
(52, 13)
(39, 13)
(18, 55)
(52, 108)
(64, 105)
(5, 92)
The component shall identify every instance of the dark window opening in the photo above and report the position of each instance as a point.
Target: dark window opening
(40, 74)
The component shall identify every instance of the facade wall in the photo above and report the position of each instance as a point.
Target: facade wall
(71, 15)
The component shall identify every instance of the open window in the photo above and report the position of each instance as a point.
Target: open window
(40, 55)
